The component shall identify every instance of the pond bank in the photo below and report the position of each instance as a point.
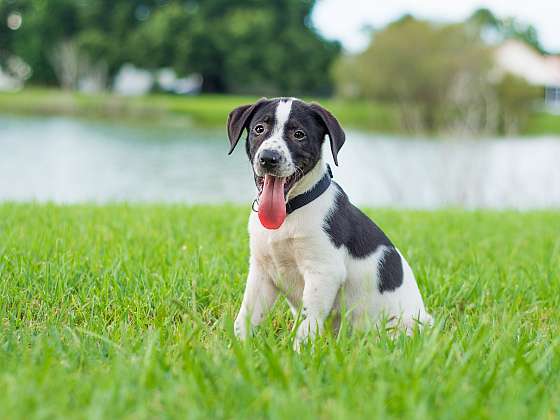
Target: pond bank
(208, 110)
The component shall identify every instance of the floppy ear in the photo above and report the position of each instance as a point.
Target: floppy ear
(334, 130)
(237, 122)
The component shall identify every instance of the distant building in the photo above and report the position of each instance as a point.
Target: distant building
(9, 83)
(168, 81)
(522, 60)
(135, 81)
(132, 81)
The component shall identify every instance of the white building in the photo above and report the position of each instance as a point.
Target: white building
(522, 60)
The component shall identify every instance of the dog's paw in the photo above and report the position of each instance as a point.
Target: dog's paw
(305, 333)
(240, 328)
(409, 324)
(301, 342)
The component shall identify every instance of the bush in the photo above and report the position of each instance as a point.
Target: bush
(435, 73)
(516, 99)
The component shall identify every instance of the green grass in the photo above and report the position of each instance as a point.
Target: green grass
(543, 123)
(209, 110)
(125, 311)
(205, 110)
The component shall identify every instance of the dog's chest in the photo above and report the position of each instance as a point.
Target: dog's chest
(283, 254)
(297, 247)
(283, 264)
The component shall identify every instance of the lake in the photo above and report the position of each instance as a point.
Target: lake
(67, 160)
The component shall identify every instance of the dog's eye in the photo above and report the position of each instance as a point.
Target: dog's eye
(299, 134)
(258, 129)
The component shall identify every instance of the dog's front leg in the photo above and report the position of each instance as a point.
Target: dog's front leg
(319, 294)
(260, 294)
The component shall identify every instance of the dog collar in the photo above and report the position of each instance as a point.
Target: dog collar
(307, 197)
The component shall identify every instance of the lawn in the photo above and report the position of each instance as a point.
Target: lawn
(125, 311)
(210, 110)
(205, 110)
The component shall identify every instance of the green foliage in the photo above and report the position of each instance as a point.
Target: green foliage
(440, 76)
(204, 110)
(517, 99)
(163, 38)
(45, 22)
(237, 46)
(249, 47)
(212, 110)
(126, 312)
(502, 29)
(432, 71)
(543, 123)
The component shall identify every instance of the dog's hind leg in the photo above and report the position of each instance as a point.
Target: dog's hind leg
(402, 306)
(260, 295)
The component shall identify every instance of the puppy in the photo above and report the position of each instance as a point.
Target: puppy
(307, 241)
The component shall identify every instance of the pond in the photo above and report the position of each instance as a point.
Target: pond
(67, 160)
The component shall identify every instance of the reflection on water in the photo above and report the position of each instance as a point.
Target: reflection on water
(68, 160)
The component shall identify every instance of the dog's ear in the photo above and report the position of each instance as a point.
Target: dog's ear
(237, 122)
(334, 130)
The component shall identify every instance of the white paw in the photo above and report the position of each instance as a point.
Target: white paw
(409, 324)
(305, 333)
(427, 320)
(240, 327)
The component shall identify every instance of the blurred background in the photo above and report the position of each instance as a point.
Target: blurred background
(445, 104)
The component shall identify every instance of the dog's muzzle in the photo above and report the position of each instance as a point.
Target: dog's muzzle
(272, 162)
(270, 159)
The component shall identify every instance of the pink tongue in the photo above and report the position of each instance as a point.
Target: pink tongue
(272, 205)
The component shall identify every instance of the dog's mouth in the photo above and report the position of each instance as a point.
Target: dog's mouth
(289, 182)
(272, 198)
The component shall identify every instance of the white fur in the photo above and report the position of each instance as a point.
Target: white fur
(276, 141)
(300, 261)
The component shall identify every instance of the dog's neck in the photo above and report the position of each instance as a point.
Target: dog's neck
(309, 180)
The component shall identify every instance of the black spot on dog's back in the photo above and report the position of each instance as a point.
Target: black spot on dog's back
(390, 271)
(347, 225)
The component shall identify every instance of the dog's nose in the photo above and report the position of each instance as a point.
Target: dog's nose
(269, 158)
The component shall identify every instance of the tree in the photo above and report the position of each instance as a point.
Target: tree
(508, 28)
(517, 99)
(418, 65)
(246, 46)
(239, 46)
(45, 23)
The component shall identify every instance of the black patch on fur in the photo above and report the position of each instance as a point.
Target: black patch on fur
(390, 271)
(305, 152)
(265, 114)
(347, 225)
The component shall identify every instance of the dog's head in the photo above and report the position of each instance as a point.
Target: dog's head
(285, 137)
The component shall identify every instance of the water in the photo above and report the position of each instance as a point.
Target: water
(69, 160)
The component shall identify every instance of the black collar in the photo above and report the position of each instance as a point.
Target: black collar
(307, 197)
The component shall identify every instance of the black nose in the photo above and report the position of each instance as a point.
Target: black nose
(269, 158)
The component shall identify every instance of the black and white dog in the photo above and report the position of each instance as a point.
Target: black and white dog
(307, 240)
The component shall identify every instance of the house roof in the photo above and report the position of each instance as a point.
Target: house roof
(520, 59)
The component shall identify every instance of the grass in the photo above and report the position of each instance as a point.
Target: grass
(205, 110)
(125, 311)
(543, 123)
(209, 110)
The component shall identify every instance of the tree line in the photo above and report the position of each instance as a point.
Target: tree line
(444, 77)
(237, 46)
(439, 76)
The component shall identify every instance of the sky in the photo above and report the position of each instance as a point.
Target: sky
(344, 19)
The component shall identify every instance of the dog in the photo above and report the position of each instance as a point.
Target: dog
(307, 241)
